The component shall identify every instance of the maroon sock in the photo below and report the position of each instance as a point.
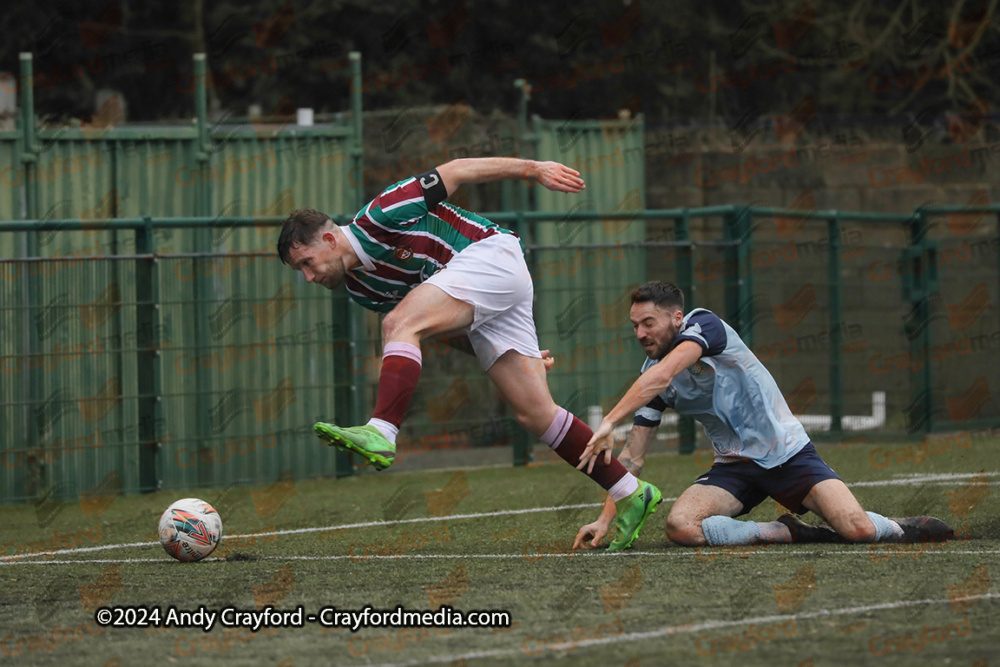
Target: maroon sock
(396, 382)
(569, 436)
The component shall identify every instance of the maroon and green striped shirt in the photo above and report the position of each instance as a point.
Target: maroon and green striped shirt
(402, 242)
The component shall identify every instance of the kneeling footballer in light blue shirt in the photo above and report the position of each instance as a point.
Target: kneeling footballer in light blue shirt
(698, 366)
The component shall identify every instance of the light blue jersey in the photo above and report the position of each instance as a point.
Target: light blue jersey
(731, 394)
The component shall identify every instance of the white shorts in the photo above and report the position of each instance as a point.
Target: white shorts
(491, 276)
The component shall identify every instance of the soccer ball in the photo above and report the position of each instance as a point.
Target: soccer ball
(190, 529)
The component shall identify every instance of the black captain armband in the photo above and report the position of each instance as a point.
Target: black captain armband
(433, 187)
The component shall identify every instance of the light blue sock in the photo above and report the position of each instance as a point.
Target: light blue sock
(722, 530)
(886, 530)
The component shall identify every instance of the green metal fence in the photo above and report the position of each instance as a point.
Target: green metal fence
(149, 337)
(79, 281)
(842, 308)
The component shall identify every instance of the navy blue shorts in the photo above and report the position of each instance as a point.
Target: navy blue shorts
(788, 483)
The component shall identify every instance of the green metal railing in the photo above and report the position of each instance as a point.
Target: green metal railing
(813, 300)
(914, 270)
(239, 176)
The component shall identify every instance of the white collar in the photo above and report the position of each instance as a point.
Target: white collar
(366, 260)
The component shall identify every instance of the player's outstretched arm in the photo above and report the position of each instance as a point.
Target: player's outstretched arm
(632, 457)
(636, 445)
(649, 384)
(552, 175)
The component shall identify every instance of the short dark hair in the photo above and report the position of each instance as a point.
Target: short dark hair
(665, 295)
(300, 228)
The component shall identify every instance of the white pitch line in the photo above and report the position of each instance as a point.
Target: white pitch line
(684, 629)
(4, 560)
(82, 561)
(295, 531)
(938, 478)
(862, 550)
(452, 517)
(943, 475)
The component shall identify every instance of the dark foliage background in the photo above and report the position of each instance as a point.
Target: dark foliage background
(871, 60)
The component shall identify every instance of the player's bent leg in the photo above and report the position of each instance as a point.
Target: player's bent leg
(834, 502)
(700, 503)
(807, 482)
(838, 506)
(522, 382)
(704, 514)
(424, 312)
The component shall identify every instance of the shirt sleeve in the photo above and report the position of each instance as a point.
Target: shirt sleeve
(651, 413)
(405, 202)
(706, 329)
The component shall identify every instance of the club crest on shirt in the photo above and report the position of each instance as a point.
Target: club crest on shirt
(695, 368)
(403, 254)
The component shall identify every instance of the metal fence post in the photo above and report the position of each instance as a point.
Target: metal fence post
(31, 284)
(744, 282)
(344, 349)
(202, 149)
(739, 282)
(917, 285)
(522, 446)
(29, 156)
(356, 319)
(349, 386)
(358, 149)
(836, 370)
(148, 358)
(685, 280)
(202, 286)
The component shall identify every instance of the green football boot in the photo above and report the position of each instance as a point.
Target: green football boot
(632, 515)
(365, 441)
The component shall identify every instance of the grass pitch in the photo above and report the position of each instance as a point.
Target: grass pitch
(657, 604)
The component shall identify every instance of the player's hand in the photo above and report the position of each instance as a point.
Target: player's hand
(600, 442)
(590, 535)
(547, 361)
(558, 177)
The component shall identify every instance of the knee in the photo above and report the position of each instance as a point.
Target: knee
(391, 325)
(536, 419)
(684, 530)
(858, 528)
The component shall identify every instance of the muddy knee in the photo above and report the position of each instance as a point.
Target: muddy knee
(684, 530)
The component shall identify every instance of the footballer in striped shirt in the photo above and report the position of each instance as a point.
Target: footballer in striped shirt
(435, 269)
